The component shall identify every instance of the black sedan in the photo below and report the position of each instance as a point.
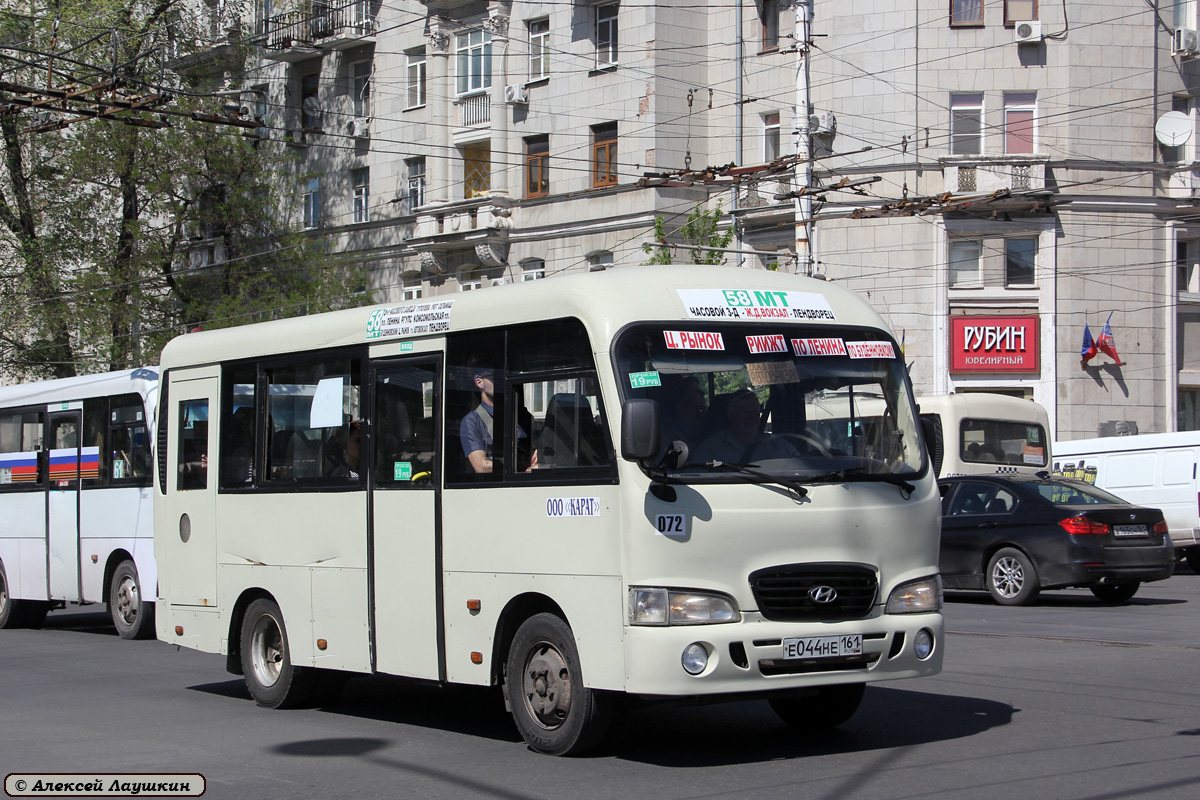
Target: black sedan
(1018, 534)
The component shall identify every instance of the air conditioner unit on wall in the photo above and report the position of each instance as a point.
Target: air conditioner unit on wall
(359, 127)
(1186, 43)
(822, 123)
(1026, 32)
(516, 93)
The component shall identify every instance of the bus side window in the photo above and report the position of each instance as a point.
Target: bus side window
(193, 444)
(405, 399)
(21, 449)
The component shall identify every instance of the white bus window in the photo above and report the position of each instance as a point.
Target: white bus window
(323, 447)
(193, 444)
(405, 399)
(237, 427)
(20, 448)
(570, 432)
(999, 441)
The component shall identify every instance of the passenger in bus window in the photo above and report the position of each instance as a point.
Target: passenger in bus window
(237, 462)
(741, 441)
(684, 416)
(344, 451)
(475, 430)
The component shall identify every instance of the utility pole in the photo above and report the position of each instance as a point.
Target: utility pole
(802, 139)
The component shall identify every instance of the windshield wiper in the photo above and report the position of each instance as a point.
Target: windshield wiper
(752, 471)
(851, 474)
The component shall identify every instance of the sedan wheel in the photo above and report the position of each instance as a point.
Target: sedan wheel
(1011, 578)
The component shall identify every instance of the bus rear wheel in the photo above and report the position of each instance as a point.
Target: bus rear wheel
(829, 707)
(555, 713)
(132, 616)
(271, 678)
(19, 613)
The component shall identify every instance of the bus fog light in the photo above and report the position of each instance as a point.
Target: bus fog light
(695, 658)
(923, 644)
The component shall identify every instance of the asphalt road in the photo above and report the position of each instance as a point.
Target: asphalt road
(1064, 699)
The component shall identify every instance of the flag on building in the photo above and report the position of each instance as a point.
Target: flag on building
(1089, 349)
(1106, 344)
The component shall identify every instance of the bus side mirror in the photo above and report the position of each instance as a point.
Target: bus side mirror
(640, 429)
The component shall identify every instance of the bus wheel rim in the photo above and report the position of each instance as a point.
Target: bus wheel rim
(546, 685)
(266, 650)
(127, 600)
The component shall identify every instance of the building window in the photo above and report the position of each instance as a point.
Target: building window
(416, 77)
(770, 137)
(310, 103)
(1182, 16)
(539, 49)
(312, 203)
(1189, 410)
(966, 124)
(360, 88)
(1020, 11)
(474, 52)
(606, 35)
(598, 262)
(604, 154)
(412, 286)
(1187, 254)
(1020, 256)
(469, 279)
(769, 9)
(362, 194)
(1182, 152)
(262, 13)
(964, 262)
(533, 270)
(416, 184)
(537, 166)
(477, 169)
(1018, 122)
(966, 12)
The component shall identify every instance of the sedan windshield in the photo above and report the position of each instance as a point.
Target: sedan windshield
(773, 401)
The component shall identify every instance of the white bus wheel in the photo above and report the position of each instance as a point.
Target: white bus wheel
(267, 662)
(132, 616)
(10, 609)
(555, 713)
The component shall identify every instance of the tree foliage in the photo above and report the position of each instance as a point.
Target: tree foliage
(701, 230)
(114, 237)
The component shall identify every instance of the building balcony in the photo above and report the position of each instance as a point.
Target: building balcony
(445, 230)
(297, 35)
(993, 173)
(473, 110)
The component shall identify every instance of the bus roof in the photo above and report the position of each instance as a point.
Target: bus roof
(983, 405)
(603, 301)
(142, 380)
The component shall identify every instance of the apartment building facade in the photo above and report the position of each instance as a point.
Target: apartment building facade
(1009, 186)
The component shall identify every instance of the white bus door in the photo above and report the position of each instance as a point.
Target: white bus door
(188, 562)
(62, 506)
(405, 531)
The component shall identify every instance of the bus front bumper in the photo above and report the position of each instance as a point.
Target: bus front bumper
(756, 655)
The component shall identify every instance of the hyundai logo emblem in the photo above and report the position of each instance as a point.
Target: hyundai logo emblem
(823, 594)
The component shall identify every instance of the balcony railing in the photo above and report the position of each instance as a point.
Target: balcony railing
(990, 173)
(325, 23)
(474, 109)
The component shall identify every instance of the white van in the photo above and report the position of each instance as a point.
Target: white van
(1153, 469)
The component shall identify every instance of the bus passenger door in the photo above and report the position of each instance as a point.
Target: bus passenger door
(186, 546)
(405, 521)
(62, 505)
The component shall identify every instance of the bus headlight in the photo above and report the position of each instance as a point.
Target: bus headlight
(655, 606)
(921, 595)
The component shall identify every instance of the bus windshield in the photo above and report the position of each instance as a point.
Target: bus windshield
(792, 402)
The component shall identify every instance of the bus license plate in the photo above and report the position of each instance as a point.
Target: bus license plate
(823, 646)
(1129, 530)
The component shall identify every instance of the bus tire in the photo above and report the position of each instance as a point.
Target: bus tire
(1011, 578)
(273, 681)
(1192, 554)
(12, 612)
(132, 616)
(828, 708)
(553, 710)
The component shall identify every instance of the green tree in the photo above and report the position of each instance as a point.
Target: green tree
(118, 233)
(701, 230)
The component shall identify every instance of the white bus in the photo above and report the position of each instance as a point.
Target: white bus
(1150, 469)
(635, 529)
(76, 498)
(980, 433)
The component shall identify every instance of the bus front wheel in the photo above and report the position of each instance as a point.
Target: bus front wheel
(555, 713)
(132, 616)
(273, 681)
